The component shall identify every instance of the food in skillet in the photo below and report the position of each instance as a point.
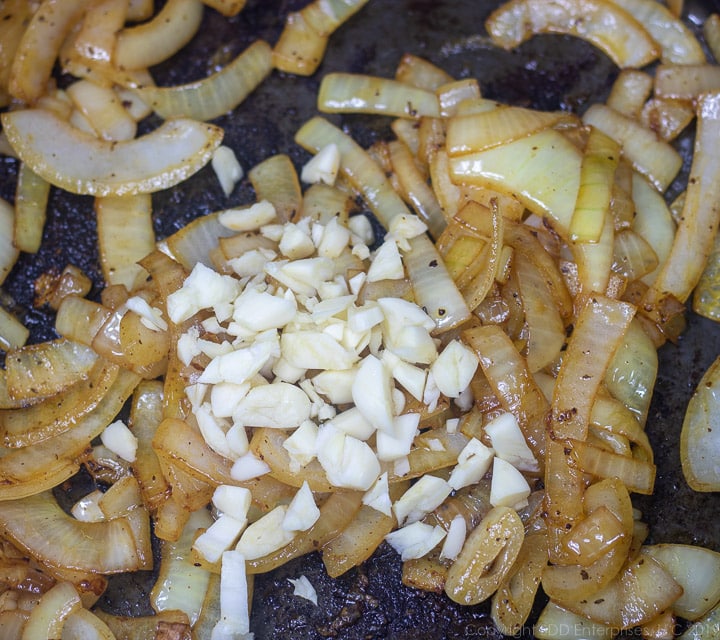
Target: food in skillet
(465, 400)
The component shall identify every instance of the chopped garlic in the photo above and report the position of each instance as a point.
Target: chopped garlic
(301, 444)
(234, 501)
(227, 168)
(334, 239)
(295, 243)
(315, 350)
(421, 498)
(454, 368)
(248, 218)
(353, 423)
(237, 366)
(237, 441)
(219, 537)
(278, 405)
(265, 535)
(378, 496)
(120, 440)
(202, 289)
(151, 317)
(398, 444)
(455, 539)
(247, 467)
(302, 587)
(387, 263)
(213, 430)
(323, 166)
(260, 310)
(406, 226)
(473, 463)
(224, 397)
(347, 461)
(372, 393)
(234, 622)
(509, 442)
(409, 376)
(335, 385)
(415, 540)
(509, 487)
(87, 508)
(302, 512)
(361, 226)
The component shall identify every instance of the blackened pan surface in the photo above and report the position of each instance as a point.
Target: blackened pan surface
(549, 72)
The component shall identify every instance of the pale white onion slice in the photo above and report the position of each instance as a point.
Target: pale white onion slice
(217, 94)
(47, 619)
(82, 164)
(31, 198)
(8, 251)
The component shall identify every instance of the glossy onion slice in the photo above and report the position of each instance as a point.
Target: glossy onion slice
(83, 164)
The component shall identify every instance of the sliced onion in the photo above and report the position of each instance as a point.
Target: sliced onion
(9, 253)
(82, 624)
(599, 330)
(421, 73)
(275, 180)
(104, 111)
(700, 436)
(651, 156)
(79, 163)
(97, 547)
(31, 198)
(98, 31)
(630, 91)
(356, 93)
(604, 24)
(47, 619)
(699, 220)
(14, 17)
(677, 43)
(39, 46)
(300, 48)
(686, 82)
(44, 369)
(152, 42)
(541, 170)
(217, 94)
(125, 235)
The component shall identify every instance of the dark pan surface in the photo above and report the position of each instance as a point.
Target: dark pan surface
(548, 72)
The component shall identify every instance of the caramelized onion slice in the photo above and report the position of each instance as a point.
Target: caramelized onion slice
(82, 164)
(600, 22)
(97, 547)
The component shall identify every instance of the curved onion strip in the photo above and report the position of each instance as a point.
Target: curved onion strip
(98, 547)
(53, 416)
(196, 241)
(275, 180)
(31, 196)
(686, 82)
(46, 368)
(228, 8)
(643, 590)
(415, 189)
(178, 442)
(574, 582)
(512, 602)
(706, 293)
(83, 624)
(80, 163)
(79, 319)
(650, 155)
(630, 91)
(14, 17)
(39, 46)
(509, 377)
(9, 253)
(358, 93)
(96, 37)
(677, 43)
(104, 111)
(217, 94)
(597, 171)
(494, 127)
(486, 558)
(453, 94)
(151, 626)
(152, 42)
(47, 619)
(145, 417)
(29, 470)
(125, 235)
(542, 170)
(696, 570)
(546, 330)
(189, 491)
(335, 514)
(638, 475)
(598, 332)
(711, 34)
(700, 215)
(667, 116)
(595, 260)
(299, 49)
(182, 585)
(609, 414)
(419, 72)
(632, 371)
(653, 222)
(700, 436)
(600, 22)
